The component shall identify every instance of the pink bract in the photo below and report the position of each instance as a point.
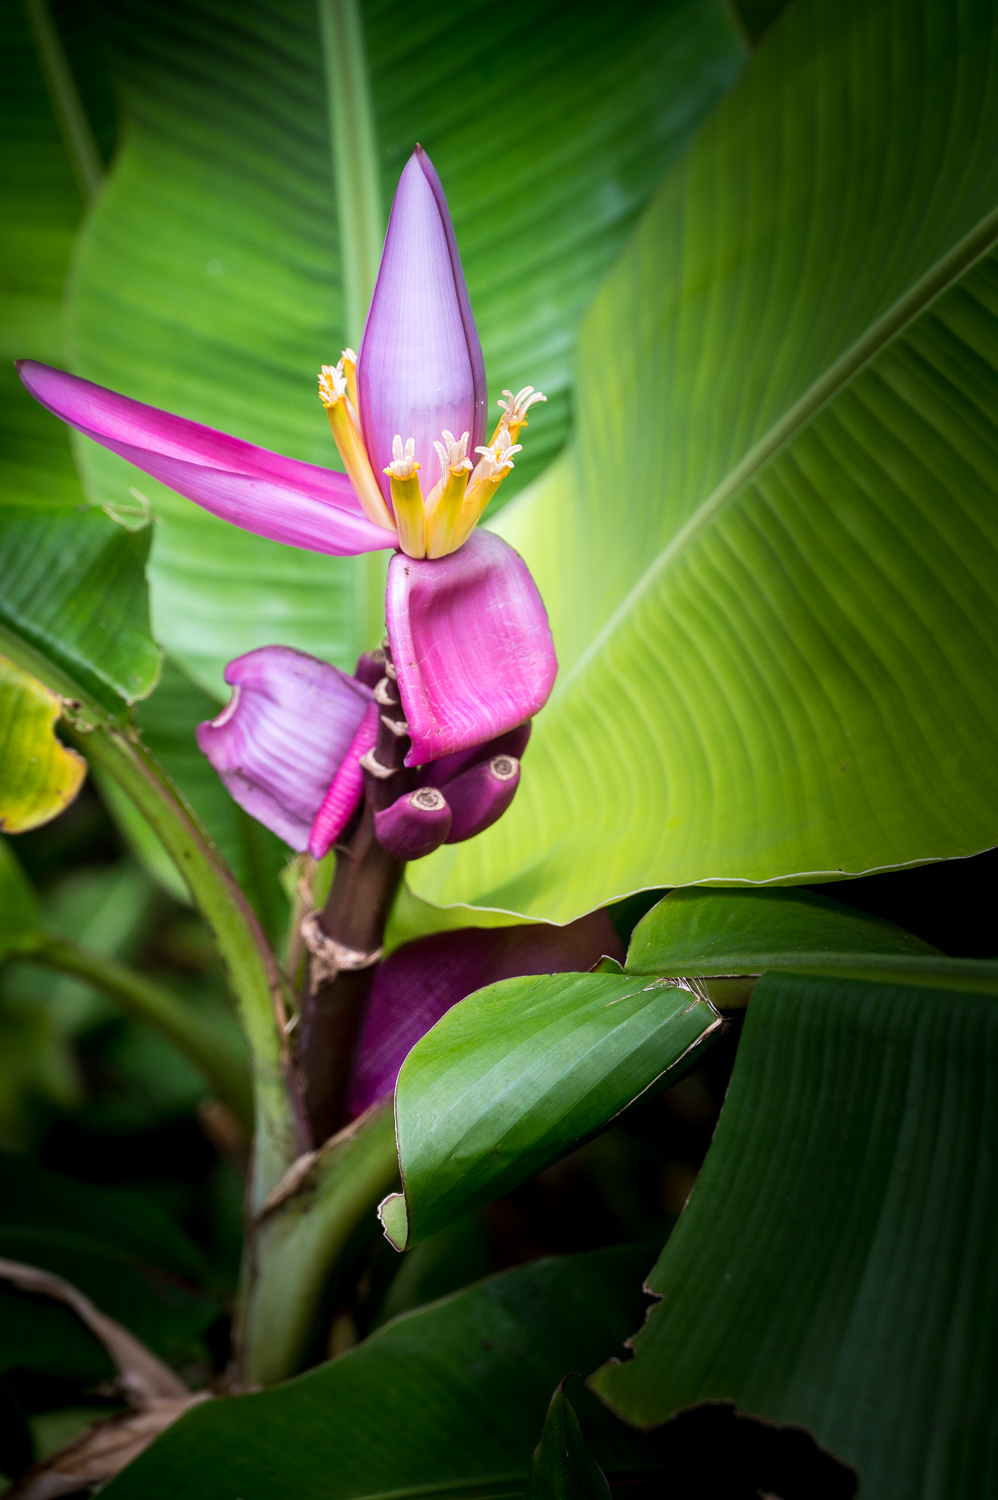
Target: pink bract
(279, 742)
(471, 644)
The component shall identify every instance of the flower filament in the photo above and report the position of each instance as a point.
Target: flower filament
(443, 521)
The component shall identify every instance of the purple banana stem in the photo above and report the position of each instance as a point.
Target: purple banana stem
(414, 825)
(480, 796)
(420, 981)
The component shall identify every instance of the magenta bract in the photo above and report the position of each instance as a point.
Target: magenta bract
(282, 737)
(345, 790)
(420, 981)
(420, 368)
(471, 644)
(280, 498)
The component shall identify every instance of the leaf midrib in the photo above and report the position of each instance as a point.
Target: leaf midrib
(905, 310)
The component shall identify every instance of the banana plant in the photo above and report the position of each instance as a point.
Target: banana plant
(734, 627)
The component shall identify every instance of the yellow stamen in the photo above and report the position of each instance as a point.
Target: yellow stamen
(515, 410)
(348, 362)
(333, 387)
(407, 498)
(443, 504)
(496, 462)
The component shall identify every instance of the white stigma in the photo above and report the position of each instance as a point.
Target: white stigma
(497, 459)
(403, 465)
(332, 384)
(516, 407)
(452, 453)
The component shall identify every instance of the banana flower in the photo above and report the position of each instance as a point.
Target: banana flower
(468, 630)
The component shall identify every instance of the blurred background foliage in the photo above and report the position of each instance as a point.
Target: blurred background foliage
(117, 1168)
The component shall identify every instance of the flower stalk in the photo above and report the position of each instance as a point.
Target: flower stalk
(346, 938)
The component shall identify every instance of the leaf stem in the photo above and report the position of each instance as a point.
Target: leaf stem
(355, 162)
(255, 979)
(354, 916)
(81, 145)
(223, 1069)
(298, 1240)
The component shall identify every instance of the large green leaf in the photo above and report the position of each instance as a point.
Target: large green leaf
(209, 278)
(513, 1077)
(770, 558)
(562, 1466)
(19, 910)
(71, 580)
(41, 208)
(448, 1400)
(835, 1265)
(696, 932)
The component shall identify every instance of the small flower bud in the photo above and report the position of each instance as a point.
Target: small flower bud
(416, 824)
(480, 796)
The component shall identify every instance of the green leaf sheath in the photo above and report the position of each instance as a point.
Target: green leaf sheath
(253, 975)
(562, 1467)
(698, 932)
(445, 1401)
(210, 277)
(513, 1077)
(769, 557)
(835, 1265)
(297, 1242)
(210, 1050)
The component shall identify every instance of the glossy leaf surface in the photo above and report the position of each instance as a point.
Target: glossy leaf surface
(39, 777)
(210, 276)
(562, 1467)
(701, 932)
(447, 1400)
(835, 1264)
(513, 1077)
(769, 559)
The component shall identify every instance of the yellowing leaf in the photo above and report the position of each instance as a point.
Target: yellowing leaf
(39, 776)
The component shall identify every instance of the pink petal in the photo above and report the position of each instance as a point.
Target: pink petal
(471, 645)
(420, 981)
(421, 367)
(345, 790)
(280, 740)
(323, 517)
(103, 415)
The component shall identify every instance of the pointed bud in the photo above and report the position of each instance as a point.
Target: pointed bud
(420, 367)
(414, 825)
